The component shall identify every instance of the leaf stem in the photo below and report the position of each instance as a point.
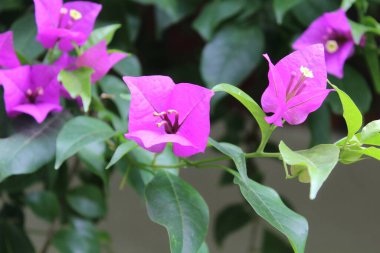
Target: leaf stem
(265, 138)
(208, 162)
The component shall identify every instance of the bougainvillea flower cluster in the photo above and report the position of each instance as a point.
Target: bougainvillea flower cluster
(32, 90)
(334, 31)
(162, 111)
(297, 86)
(65, 24)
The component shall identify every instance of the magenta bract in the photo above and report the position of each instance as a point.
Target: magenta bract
(162, 111)
(32, 90)
(65, 24)
(334, 31)
(297, 86)
(8, 56)
(95, 57)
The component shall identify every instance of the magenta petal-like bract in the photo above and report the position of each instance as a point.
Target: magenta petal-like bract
(99, 60)
(8, 56)
(297, 86)
(334, 31)
(32, 90)
(65, 24)
(162, 112)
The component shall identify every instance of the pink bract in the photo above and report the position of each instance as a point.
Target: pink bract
(333, 30)
(32, 90)
(65, 23)
(8, 56)
(95, 57)
(297, 86)
(162, 111)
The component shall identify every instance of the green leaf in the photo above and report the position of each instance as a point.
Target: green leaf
(44, 204)
(358, 30)
(78, 84)
(371, 56)
(370, 130)
(28, 149)
(79, 237)
(121, 151)
(13, 239)
(88, 201)
(273, 244)
(232, 54)
(105, 33)
(231, 219)
(371, 151)
(346, 4)
(93, 157)
(176, 9)
(78, 133)
(174, 204)
(235, 153)
(315, 163)
(248, 102)
(351, 113)
(8, 5)
(24, 35)
(268, 204)
(129, 66)
(355, 86)
(308, 10)
(116, 88)
(214, 13)
(281, 7)
(203, 248)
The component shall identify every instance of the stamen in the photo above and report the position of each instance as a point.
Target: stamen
(306, 72)
(162, 123)
(76, 15)
(40, 91)
(64, 11)
(171, 111)
(292, 76)
(175, 126)
(161, 114)
(29, 92)
(170, 128)
(331, 46)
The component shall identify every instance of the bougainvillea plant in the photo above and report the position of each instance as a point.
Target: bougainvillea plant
(75, 112)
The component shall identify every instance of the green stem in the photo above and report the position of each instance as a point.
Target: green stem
(208, 162)
(265, 138)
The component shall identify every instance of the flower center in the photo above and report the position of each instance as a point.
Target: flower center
(170, 127)
(33, 94)
(331, 46)
(74, 15)
(298, 87)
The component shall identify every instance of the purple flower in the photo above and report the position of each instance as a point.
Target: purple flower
(95, 57)
(297, 86)
(162, 112)
(8, 56)
(32, 90)
(334, 31)
(65, 24)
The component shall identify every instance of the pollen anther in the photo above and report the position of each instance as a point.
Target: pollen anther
(331, 46)
(64, 11)
(306, 72)
(76, 15)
